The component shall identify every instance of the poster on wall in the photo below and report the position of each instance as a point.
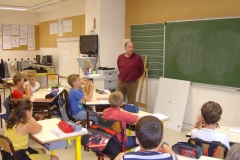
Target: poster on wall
(0, 37)
(6, 36)
(23, 35)
(31, 37)
(15, 41)
(60, 27)
(67, 26)
(14, 29)
(51, 28)
(55, 29)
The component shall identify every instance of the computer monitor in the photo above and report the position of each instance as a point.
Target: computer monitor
(44, 59)
(38, 57)
(49, 59)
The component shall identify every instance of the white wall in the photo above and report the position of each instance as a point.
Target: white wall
(18, 17)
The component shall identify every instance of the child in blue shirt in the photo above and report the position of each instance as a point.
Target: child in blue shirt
(76, 96)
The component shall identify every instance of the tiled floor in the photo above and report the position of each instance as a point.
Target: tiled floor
(69, 153)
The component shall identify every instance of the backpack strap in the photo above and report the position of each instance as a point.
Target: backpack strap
(198, 142)
(212, 147)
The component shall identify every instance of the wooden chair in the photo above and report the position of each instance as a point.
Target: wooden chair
(52, 79)
(115, 126)
(220, 152)
(7, 147)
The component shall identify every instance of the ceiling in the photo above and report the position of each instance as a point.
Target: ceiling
(40, 5)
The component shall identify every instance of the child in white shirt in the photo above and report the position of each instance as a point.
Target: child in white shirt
(32, 82)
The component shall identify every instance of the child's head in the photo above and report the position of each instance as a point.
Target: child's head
(116, 99)
(149, 132)
(74, 80)
(234, 152)
(22, 111)
(211, 112)
(31, 78)
(18, 80)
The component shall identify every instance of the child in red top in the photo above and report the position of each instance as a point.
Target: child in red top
(116, 100)
(19, 91)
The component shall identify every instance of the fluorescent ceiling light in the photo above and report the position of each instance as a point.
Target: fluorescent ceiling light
(18, 8)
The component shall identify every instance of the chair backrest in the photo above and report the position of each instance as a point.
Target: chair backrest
(219, 152)
(68, 108)
(7, 146)
(113, 124)
(52, 79)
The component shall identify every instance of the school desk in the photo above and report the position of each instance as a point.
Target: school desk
(201, 158)
(47, 138)
(232, 137)
(39, 101)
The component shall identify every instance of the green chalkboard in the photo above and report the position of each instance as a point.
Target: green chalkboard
(204, 51)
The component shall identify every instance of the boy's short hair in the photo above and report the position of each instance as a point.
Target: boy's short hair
(149, 132)
(116, 99)
(234, 152)
(72, 78)
(211, 112)
(31, 75)
(17, 78)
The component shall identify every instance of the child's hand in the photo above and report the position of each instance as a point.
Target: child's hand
(200, 118)
(90, 83)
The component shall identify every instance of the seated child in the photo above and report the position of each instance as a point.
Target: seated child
(32, 83)
(20, 92)
(208, 120)
(19, 124)
(18, 89)
(116, 100)
(234, 152)
(76, 96)
(149, 133)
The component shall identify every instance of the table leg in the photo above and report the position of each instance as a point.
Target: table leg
(53, 152)
(78, 148)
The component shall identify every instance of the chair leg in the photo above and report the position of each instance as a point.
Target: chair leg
(1, 123)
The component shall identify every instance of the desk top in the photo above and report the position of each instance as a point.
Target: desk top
(96, 98)
(201, 158)
(39, 94)
(233, 137)
(47, 136)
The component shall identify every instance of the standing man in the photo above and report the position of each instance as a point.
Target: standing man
(130, 67)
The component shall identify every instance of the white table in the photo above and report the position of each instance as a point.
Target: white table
(47, 136)
(233, 137)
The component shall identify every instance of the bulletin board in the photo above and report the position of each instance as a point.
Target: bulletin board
(48, 40)
(25, 47)
(68, 51)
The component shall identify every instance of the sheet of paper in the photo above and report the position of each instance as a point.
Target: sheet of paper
(55, 29)
(6, 36)
(60, 27)
(234, 129)
(31, 37)
(14, 29)
(51, 28)
(60, 133)
(102, 100)
(15, 41)
(67, 26)
(23, 35)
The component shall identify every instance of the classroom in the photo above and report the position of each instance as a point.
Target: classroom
(112, 20)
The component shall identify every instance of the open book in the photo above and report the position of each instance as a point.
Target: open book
(234, 129)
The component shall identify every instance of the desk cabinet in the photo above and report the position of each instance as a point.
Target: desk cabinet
(110, 81)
